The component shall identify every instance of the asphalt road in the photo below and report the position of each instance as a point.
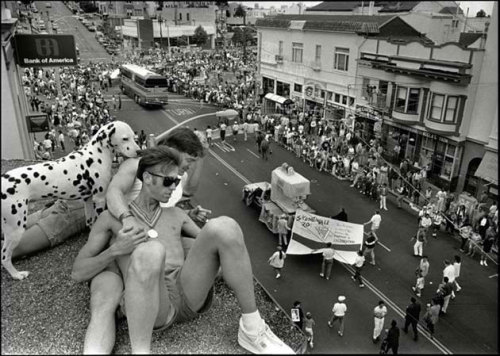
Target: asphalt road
(471, 323)
(89, 48)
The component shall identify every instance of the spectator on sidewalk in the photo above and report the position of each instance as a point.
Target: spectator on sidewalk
(465, 232)
(60, 138)
(379, 313)
(412, 317)
(383, 190)
(445, 290)
(420, 240)
(488, 242)
(338, 313)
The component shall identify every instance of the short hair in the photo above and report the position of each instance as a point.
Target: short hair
(184, 140)
(394, 323)
(413, 300)
(377, 212)
(381, 302)
(328, 244)
(458, 258)
(445, 279)
(157, 155)
(446, 262)
(297, 302)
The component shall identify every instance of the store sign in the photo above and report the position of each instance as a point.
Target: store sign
(313, 91)
(37, 123)
(45, 50)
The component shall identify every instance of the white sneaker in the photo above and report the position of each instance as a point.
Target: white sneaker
(481, 262)
(278, 276)
(484, 263)
(264, 342)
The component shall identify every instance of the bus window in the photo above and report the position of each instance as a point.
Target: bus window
(156, 82)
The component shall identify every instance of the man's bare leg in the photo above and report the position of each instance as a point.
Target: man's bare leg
(106, 291)
(146, 296)
(219, 243)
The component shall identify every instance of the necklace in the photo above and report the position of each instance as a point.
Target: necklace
(140, 213)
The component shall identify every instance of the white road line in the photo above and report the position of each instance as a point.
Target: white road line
(493, 275)
(228, 166)
(221, 147)
(169, 117)
(384, 246)
(251, 152)
(400, 312)
(229, 146)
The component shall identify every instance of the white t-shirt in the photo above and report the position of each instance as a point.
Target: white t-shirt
(375, 220)
(449, 272)
(339, 309)
(209, 133)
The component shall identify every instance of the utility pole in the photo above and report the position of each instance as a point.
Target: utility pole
(258, 69)
(244, 37)
(160, 21)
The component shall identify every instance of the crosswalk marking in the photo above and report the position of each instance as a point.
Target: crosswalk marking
(170, 117)
(180, 111)
(251, 152)
(226, 147)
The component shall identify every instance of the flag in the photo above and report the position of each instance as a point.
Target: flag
(311, 232)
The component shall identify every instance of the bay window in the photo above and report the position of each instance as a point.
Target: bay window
(444, 108)
(407, 100)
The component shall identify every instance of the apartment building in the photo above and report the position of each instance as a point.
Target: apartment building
(311, 59)
(440, 21)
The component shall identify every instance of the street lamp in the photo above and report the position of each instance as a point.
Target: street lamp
(160, 20)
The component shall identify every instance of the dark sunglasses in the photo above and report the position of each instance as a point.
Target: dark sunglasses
(167, 181)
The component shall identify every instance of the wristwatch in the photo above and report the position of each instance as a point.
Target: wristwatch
(125, 215)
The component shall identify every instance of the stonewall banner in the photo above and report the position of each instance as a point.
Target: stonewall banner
(311, 232)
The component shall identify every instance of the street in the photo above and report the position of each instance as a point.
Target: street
(469, 326)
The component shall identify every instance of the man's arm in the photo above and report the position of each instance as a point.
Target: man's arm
(94, 256)
(189, 228)
(119, 186)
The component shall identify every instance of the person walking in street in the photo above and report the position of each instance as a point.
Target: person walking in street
(222, 132)
(383, 196)
(489, 240)
(419, 284)
(412, 317)
(358, 265)
(431, 316)
(449, 271)
(338, 313)
(245, 130)
(264, 148)
(375, 221)
(392, 338)
(119, 101)
(283, 229)
(308, 328)
(326, 265)
(379, 313)
(465, 232)
(369, 246)
(445, 289)
(208, 134)
(60, 138)
(235, 129)
(277, 260)
(421, 239)
(298, 314)
(113, 101)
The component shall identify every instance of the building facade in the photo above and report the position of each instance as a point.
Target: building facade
(436, 102)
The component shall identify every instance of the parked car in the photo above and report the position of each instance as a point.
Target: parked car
(92, 28)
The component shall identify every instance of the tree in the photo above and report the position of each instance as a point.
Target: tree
(481, 13)
(200, 36)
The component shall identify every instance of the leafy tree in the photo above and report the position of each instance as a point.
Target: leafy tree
(238, 36)
(200, 36)
(240, 12)
(481, 13)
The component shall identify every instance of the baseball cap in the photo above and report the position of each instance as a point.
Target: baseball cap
(341, 298)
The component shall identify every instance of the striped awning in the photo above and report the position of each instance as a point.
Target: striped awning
(488, 168)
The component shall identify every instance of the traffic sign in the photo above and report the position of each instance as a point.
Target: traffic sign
(45, 50)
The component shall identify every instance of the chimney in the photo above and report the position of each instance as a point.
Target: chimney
(370, 7)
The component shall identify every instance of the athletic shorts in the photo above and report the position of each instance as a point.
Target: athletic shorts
(62, 220)
(309, 331)
(182, 311)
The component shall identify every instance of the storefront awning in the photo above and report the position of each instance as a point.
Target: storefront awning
(277, 98)
(488, 168)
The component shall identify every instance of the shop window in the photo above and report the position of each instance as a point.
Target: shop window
(268, 85)
(341, 59)
(297, 88)
(344, 100)
(187, 17)
(337, 98)
(407, 100)
(282, 89)
(329, 95)
(351, 101)
(323, 93)
(180, 16)
(297, 50)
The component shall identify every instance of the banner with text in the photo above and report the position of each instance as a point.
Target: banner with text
(311, 232)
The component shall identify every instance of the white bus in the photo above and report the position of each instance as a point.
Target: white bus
(144, 86)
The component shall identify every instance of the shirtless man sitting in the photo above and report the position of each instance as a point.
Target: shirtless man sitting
(162, 286)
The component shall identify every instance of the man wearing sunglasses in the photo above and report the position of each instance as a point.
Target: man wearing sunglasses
(106, 288)
(161, 284)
